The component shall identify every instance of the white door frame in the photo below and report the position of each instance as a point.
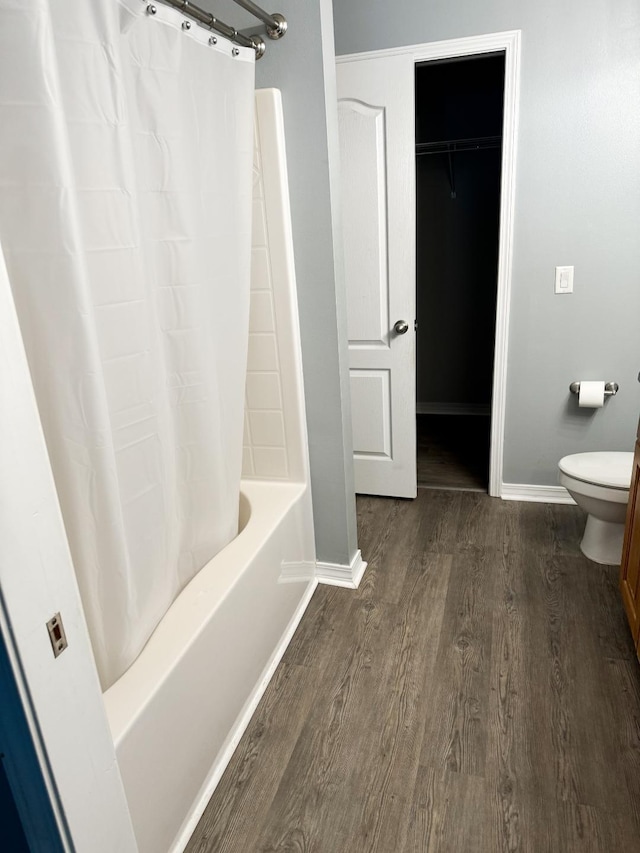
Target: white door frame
(509, 42)
(61, 696)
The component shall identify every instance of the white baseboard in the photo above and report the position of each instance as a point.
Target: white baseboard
(453, 409)
(240, 725)
(537, 494)
(337, 574)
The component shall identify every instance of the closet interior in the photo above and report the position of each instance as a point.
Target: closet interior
(459, 112)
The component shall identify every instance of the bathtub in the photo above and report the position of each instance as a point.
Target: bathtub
(179, 711)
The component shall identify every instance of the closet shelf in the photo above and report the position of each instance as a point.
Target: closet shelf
(450, 146)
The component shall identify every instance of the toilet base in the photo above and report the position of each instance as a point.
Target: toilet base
(602, 541)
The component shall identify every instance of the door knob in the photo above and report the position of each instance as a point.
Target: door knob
(401, 327)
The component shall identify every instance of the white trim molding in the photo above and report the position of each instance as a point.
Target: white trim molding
(536, 494)
(510, 43)
(61, 697)
(339, 574)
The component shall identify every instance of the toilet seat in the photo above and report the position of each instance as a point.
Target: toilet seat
(608, 469)
(591, 490)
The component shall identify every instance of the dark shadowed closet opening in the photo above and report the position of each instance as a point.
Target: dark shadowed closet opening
(459, 107)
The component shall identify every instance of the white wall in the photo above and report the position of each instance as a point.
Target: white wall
(577, 202)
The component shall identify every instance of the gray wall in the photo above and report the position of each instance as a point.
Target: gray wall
(302, 66)
(577, 202)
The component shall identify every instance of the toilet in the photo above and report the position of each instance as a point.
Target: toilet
(599, 483)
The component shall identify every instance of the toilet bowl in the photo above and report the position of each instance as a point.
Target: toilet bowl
(599, 483)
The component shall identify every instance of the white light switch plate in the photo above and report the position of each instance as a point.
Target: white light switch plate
(564, 279)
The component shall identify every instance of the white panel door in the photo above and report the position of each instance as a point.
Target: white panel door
(376, 127)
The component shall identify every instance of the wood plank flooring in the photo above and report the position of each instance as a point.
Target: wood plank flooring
(478, 692)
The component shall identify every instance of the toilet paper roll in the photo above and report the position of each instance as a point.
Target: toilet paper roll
(591, 395)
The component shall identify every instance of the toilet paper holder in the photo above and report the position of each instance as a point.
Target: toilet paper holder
(610, 388)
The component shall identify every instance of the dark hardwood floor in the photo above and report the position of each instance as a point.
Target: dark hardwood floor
(478, 692)
(453, 451)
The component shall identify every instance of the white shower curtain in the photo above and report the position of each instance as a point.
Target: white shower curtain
(125, 219)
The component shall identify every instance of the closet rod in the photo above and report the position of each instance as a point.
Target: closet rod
(276, 24)
(477, 143)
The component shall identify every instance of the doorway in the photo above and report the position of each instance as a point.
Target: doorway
(377, 136)
(459, 105)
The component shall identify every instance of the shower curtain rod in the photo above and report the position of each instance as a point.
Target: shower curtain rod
(276, 24)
